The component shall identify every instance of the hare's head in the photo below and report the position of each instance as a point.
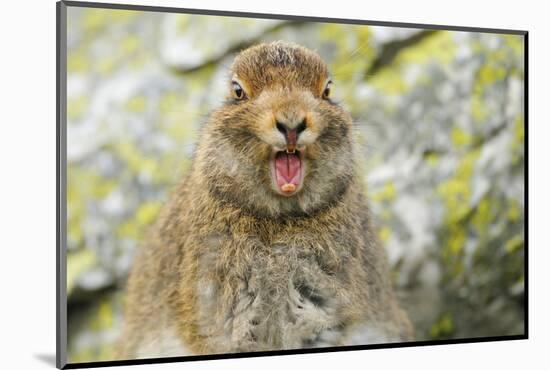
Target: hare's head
(279, 146)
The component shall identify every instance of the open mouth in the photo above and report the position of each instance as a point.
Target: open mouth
(288, 171)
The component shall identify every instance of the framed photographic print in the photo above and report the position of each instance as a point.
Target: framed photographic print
(235, 184)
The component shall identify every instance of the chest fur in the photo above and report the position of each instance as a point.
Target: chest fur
(251, 296)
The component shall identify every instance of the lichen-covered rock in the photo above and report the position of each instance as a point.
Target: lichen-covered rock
(438, 118)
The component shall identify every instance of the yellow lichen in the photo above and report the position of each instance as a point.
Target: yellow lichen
(77, 263)
(77, 61)
(432, 158)
(483, 216)
(136, 227)
(130, 44)
(457, 239)
(106, 65)
(147, 212)
(456, 193)
(439, 47)
(390, 81)
(136, 104)
(384, 234)
(136, 161)
(76, 107)
(460, 138)
(514, 212)
(443, 326)
(514, 244)
(516, 43)
(386, 193)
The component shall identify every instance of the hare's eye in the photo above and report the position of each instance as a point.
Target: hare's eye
(238, 92)
(326, 91)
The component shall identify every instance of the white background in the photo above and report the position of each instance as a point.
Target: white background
(27, 182)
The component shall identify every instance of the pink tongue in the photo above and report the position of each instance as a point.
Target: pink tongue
(287, 167)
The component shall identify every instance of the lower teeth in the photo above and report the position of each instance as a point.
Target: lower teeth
(288, 188)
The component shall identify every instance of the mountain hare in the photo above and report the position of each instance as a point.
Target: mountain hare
(267, 243)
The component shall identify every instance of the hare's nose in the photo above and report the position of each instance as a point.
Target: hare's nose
(291, 134)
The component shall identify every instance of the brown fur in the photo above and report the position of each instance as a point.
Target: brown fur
(232, 265)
